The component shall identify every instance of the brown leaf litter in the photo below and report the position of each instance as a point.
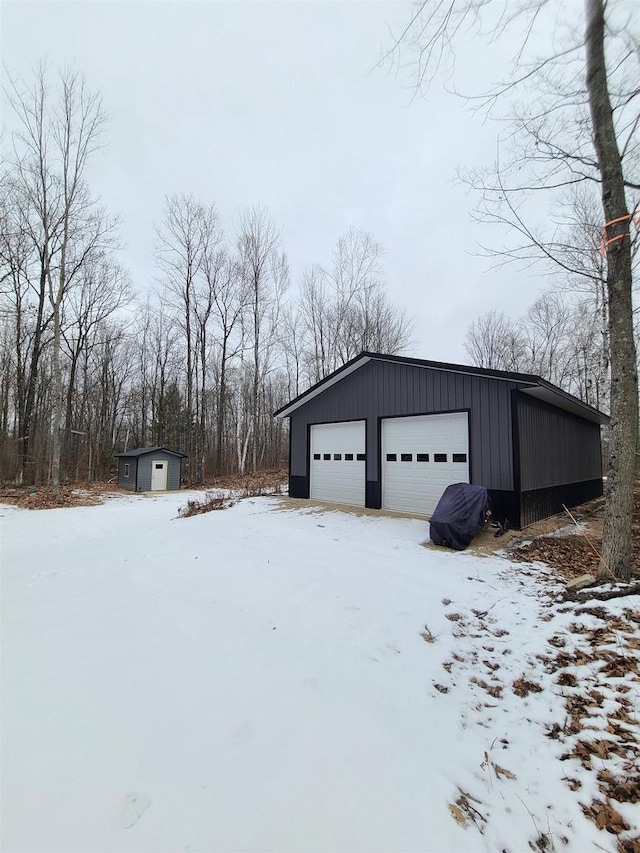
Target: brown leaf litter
(611, 751)
(494, 690)
(522, 687)
(600, 731)
(571, 556)
(40, 497)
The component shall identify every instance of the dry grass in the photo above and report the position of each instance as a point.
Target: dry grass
(91, 494)
(251, 487)
(42, 497)
(209, 503)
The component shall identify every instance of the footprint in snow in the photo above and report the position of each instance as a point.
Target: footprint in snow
(131, 809)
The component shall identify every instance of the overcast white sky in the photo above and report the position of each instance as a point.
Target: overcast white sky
(279, 103)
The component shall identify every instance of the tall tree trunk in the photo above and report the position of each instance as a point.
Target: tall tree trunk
(222, 402)
(189, 426)
(57, 404)
(203, 394)
(69, 443)
(256, 374)
(56, 297)
(27, 419)
(624, 379)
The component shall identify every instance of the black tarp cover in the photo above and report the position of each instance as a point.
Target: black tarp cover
(459, 515)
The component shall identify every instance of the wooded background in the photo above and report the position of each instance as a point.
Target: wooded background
(199, 362)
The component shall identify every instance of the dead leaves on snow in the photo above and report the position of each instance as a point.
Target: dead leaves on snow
(605, 739)
(502, 772)
(566, 679)
(522, 687)
(594, 670)
(427, 636)
(622, 788)
(494, 690)
(605, 816)
(465, 813)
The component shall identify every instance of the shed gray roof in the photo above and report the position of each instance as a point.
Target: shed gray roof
(533, 385)
(142, 451)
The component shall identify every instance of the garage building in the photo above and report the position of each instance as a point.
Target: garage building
(391, 432)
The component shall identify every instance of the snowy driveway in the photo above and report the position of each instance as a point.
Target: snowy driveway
(252, 679)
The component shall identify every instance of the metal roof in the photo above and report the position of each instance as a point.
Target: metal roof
(536, 386)
(143, 451)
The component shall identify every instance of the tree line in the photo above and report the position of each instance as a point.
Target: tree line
(90, 367)
(559, 337)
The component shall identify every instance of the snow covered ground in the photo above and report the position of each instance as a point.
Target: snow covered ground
(256, 680)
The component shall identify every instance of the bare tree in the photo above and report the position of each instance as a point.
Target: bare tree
(293, 349)
(187, 237)
(163, 338)
(24, 277)
(356, 279)
(589, 356)
(229, 297)
(573, 128)
(56, 137)
(547, 328)
(346, 308)
(103, 288)
(494, 342)
(265, 276)
(317, 314)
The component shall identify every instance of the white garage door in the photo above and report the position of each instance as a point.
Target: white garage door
(421, 456)
(338, 462)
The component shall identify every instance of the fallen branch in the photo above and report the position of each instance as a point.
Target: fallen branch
(585, 594)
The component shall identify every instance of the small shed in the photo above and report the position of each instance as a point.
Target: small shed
(150, 469)
(389, 432)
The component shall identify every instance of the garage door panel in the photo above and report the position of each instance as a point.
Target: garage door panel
(337, 464)
(418, 460)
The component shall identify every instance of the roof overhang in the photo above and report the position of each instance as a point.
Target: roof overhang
(561, 400)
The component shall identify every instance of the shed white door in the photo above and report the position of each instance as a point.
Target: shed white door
(158, 475)
(421, 456)
(338, 462)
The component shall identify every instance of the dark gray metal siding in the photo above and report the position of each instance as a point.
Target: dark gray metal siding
(144, 470)
(130, 481)
(556, 447)
(385, 389)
